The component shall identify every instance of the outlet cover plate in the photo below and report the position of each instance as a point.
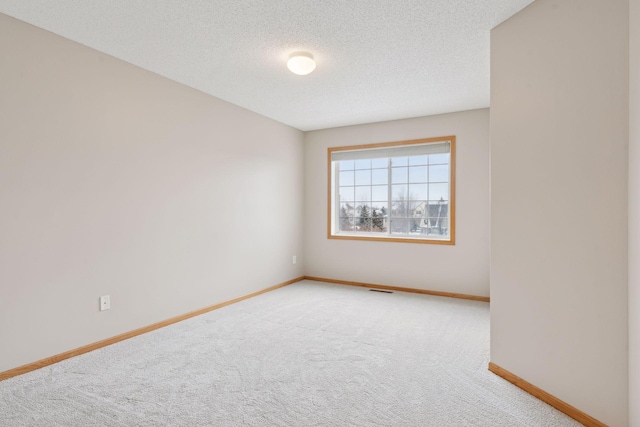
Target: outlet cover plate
(105, 302)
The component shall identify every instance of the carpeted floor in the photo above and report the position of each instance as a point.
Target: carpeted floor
(308, 354)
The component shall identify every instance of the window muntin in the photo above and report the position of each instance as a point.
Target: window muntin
(399, 191)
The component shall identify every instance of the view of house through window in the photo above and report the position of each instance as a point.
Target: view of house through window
(398, 191)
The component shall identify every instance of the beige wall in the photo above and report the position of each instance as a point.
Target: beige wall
(634, 213)
(463, 268)
(559, 133)
(116, 181)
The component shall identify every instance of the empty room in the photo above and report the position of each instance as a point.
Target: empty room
(330, 213)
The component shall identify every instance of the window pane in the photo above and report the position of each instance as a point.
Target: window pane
(379, 193)
(439, 159)
(347, 194)
(437, 211)
(399, 161)
(380, 163)
(399, 209)
(399, 192)
(363, 194)
(414, 227)
(439, 173)
(363, 220)
(347, 210)
(399, 175)
(363, 210)
(438, 191)
(346, 178)
(379, 176)
(418, 191)
(418, 173)
(438, 227)
(363, 164)
(346, 165)
(363, 177)
(418, 209)
(378, 222)
(380, 207)
(399, 226)
(346, 224)
(363, 224)
(418, 160)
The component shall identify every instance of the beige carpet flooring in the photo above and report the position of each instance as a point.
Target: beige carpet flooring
(308, 354)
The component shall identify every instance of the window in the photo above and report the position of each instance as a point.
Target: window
(397, 191)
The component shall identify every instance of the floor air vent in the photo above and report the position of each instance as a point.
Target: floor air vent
(380, 290)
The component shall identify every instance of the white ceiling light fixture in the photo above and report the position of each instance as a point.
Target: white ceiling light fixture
(301, 63)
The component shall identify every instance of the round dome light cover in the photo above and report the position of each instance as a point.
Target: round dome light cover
(301, 63)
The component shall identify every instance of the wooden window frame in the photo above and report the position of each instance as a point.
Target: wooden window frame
(389, 238)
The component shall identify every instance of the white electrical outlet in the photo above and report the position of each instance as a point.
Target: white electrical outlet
(294, 259)
(105, 302)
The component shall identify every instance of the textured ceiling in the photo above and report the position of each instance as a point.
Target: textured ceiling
(376, 60)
